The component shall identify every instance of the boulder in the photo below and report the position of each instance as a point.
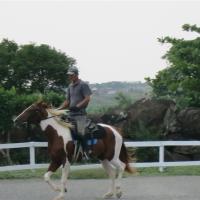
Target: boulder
(186, 125)
(149, 115)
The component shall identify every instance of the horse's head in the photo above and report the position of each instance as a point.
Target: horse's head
(34, 114)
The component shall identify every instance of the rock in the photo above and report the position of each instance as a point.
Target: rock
(150, 114)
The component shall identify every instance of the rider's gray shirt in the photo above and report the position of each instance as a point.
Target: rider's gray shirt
(76, 93)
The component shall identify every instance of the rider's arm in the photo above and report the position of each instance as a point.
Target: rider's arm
(84, 102)
(64, 105)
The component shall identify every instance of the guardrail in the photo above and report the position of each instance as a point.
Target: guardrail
(160, 164)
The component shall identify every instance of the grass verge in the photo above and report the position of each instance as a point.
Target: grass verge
(100, 173)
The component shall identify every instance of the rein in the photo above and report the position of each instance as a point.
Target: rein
(60, 121)
(51, 117)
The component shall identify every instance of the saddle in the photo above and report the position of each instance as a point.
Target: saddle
(93, 132)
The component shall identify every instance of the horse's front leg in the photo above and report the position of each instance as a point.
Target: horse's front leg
(63, 189)
(47, 177)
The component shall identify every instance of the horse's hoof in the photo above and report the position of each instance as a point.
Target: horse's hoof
(108, 195)
(59, 198)
(57, 189)
(118, 192)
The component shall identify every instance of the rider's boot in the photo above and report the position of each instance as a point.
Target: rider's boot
(85, 148)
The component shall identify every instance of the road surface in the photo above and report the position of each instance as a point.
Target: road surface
(134, 188)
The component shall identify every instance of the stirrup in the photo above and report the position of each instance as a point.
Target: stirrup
(85, 156)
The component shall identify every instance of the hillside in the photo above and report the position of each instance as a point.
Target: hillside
(104, 94)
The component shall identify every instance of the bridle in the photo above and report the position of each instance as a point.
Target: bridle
(48, 117)
(51, 117)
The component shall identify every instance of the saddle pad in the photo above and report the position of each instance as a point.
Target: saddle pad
(91, 142)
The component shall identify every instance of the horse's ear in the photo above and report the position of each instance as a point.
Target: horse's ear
(40, 99)
(43, 104)
(40, 102)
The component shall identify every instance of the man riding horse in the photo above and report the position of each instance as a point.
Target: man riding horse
(109, 147)
(77, 99)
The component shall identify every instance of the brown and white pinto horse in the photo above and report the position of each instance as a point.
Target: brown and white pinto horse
(110, 149)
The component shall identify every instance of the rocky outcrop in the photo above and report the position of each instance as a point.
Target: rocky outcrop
(148, 114)
(151, 113)
(162, 118)
(185, 125)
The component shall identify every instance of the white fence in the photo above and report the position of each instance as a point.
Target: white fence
(160, 144)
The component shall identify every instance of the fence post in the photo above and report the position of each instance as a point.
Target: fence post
(161, 157)
(32, 155)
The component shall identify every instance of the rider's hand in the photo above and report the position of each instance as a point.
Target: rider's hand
(74, 109)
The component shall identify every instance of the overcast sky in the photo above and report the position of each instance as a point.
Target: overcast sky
(111, 40)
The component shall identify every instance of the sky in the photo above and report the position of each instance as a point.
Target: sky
(110, 40)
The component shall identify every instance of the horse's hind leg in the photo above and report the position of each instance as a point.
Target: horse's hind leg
(112, 174)
(120, 166)
(117, 163)
(47, 177)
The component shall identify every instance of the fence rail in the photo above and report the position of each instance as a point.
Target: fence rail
(160, 164)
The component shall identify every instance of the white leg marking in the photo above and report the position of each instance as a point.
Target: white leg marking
(65, 172)
(112, 174)
(120, 166)
(115, 162)
(47, 178)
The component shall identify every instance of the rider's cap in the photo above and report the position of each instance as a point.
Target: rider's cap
(72, 70)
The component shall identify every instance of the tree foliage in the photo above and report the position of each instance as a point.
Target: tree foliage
(32, 67)
(7, 108)
(27, 73)
(123, 100)
(12, 104)
(181, 79)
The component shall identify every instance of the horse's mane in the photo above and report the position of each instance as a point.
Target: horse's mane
(59, 113)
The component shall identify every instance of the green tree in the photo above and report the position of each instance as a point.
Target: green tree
(123, 100)
(7, 108)
(8, 50)
(181, 79)
(12, 104)
(32, 67)
(28, 72)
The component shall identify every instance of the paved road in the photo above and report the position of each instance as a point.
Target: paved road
(135, 188)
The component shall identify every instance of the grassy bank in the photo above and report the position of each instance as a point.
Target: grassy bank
(99, 173)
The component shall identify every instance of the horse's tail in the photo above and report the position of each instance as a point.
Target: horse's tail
(124, 157)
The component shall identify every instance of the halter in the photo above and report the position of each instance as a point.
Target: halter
(22, 112)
